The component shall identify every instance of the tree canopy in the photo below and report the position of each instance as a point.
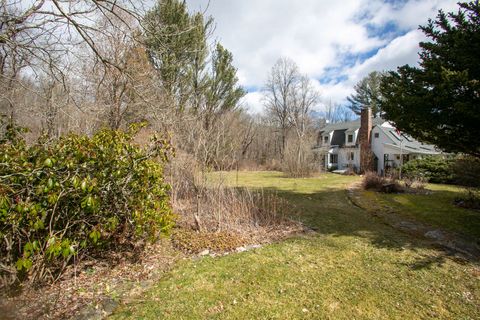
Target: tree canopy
(367, 94)
(439, 101)
(177, 44)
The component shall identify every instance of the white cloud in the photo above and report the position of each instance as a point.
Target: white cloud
(319, 35)
(399, 51)
(411, 14)
(253, 102)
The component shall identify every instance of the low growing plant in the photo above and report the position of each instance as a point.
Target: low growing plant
(471, 200)
(435, 169)
(78, 194)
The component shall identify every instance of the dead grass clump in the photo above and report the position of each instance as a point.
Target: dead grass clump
(220, 218)
(372, 181)
(273, 165)
(413, 184)
(216, 208)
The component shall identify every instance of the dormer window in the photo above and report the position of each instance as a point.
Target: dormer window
(350, 138)
(325, 139)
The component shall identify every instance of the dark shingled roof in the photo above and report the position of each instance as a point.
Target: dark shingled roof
(350, 125)
(338, 138)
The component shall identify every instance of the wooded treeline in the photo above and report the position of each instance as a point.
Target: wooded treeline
(79, 66)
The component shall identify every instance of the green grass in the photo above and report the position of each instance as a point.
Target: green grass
(436, 208)
(355, 267)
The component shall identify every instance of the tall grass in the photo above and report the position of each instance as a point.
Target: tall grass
(213, 206)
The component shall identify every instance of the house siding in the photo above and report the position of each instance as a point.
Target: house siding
(378, 146)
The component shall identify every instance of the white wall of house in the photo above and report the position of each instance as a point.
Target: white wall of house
(378, 141)
(345, 158)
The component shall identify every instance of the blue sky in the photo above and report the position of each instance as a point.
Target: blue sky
(336, 43)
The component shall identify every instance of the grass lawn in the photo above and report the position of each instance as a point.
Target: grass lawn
(355, 267)
(436, 208)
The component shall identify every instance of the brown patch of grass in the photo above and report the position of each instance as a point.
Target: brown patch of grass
(192, 242)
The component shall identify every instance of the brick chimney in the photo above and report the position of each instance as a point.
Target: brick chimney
(366, 160)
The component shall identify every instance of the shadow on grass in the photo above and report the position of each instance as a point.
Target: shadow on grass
(329, 211)
(437, 208)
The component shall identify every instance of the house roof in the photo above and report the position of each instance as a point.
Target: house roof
(349, 126)
(338, 138)
(408, 143)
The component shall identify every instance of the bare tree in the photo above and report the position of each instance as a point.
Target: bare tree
(38, 37)
(337, 113)
(305, 96)
(279, 93)
(288, 98)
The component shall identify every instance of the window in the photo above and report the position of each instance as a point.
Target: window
(334, 158)
(376, 135)
(350, 138)
(351, 156)
(325, 139)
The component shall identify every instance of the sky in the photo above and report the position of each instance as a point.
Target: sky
(335, 42)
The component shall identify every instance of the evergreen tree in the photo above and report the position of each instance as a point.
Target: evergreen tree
(223, 91)
(367, 94)
(177, 43)
(439, 102)
(177, 46)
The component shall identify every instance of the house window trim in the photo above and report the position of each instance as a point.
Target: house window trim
(348, 138)
(333, 157)
(351, 156)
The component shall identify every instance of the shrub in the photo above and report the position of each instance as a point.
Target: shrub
(471, 200)
(78, 194)
(462, 170)
(435, 169)
(372, 181)
(466, 171)
(298, 161)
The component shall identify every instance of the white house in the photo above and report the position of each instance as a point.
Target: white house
(340, 145)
